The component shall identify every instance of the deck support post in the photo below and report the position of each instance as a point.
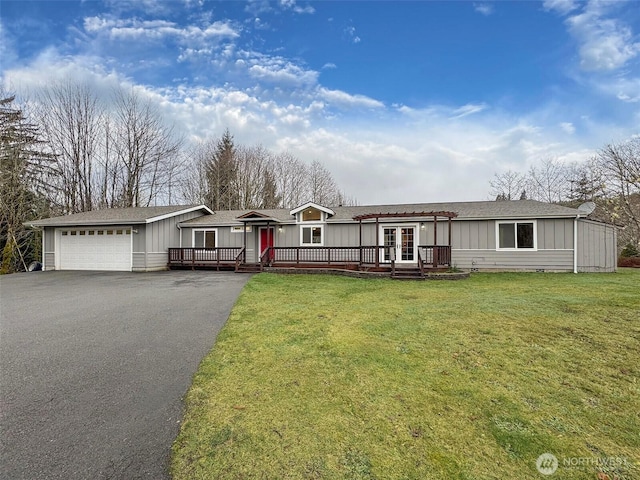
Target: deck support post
(272, 240)
(449, 261)
(377, 243)
(435, 241)
(360, 242)
(244, 242)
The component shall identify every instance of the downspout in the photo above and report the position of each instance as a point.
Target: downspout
(575, 244)
(179, 233)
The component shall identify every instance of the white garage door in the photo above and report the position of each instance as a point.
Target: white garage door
(95, 249)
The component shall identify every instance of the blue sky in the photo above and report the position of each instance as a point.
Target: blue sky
(402, 101)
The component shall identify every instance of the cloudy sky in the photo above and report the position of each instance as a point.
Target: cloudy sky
(402, 101)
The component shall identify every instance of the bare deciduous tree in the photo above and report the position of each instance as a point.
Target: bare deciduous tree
(322, 187)
(619, 165)
(71, 118)
(548, 181)
(145, 151)
(507, 186)
(291, 180)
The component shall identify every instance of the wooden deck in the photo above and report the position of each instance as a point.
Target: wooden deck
(367, 258)
(221, 258)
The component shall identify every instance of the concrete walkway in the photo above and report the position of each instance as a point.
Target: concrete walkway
(93, 368)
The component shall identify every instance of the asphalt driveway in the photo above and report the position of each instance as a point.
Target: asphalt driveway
(93, 367)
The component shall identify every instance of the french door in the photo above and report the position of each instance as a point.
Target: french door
(399, 244)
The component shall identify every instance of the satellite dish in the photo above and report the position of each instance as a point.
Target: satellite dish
(587, 207)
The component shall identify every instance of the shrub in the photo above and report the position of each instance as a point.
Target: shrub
(630, 250)
(629, 262)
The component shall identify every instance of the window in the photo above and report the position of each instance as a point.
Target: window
(311, 215)
(204, 238)
(240, 229)
(311, 235)
(516, 235)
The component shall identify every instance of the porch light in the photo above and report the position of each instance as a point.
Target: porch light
(422, 226)
(280, 229)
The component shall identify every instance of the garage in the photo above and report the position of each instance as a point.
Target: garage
(94, 249)
(131, 239)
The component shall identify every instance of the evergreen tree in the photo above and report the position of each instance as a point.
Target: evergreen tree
(24, 170)
(270, 197)
(221, 172)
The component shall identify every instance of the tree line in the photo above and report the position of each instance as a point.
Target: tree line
(67, 151)
(610, 179)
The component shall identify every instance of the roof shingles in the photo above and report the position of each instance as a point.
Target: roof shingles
(465, 210)
(113, 216)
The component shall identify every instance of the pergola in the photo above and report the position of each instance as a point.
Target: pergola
(436, 215)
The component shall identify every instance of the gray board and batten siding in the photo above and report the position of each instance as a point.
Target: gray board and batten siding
(473, 233)
(473, 240)
(597, 247)
(156, 238)
(152, 231)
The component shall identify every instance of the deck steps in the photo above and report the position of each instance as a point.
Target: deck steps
(407, 274)
(248, 268)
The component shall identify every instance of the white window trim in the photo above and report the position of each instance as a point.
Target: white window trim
(323, 218)
(193, 235)
(239, 229)
(516, 222)
(312, 225)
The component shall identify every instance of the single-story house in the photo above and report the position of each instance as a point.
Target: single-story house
(487, 235)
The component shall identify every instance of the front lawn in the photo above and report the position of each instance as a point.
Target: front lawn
(324, 377)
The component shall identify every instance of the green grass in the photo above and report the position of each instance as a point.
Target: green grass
(323, 377)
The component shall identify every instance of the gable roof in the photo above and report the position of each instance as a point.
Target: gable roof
(484, 210)
(469, 210)
(326, 210)
(120, 216)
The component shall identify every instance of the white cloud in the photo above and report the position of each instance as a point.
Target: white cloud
(150, 7)
(135, 29)
(568, 127)
(351, 34)
(329, 66)
(625, 89)
(468, 109)
(7, 48)
(279, 70)
(377, 153)
(257, 7)
(343, 99)
(561, 6)
(292, 5)
(485, 9)
(605, 44)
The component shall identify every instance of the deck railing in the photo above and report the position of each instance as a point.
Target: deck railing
(319, 255)
(420, 263)
(435, 255)
(204, 257)
(241, 258)
(369, 256)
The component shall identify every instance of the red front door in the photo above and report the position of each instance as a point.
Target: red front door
(266, 240)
